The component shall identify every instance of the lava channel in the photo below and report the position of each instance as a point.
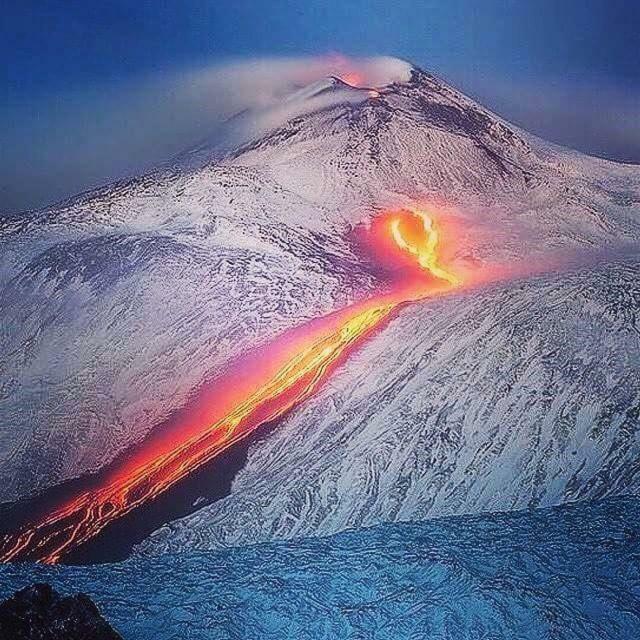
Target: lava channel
(297, 364)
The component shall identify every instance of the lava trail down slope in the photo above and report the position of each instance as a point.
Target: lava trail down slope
(297, 364)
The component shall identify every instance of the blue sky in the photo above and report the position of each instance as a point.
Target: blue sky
(565, 69)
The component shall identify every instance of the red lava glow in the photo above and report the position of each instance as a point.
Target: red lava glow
(356, 80)
(352, 78)
(261, 387)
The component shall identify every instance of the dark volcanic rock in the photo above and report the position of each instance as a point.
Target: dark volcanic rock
(40, 613)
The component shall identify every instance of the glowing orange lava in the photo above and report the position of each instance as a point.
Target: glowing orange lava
(422, 245)
(292, 376)
(352, 78)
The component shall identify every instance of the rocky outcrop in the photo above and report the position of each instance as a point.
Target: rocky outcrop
(40, 613)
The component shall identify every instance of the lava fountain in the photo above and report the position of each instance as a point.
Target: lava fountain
(299, 362)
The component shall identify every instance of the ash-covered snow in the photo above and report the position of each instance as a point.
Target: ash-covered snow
(567, 573)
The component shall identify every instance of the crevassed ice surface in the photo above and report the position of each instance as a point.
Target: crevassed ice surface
(568, 573)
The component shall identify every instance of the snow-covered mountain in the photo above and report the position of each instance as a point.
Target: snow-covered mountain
(521, 390)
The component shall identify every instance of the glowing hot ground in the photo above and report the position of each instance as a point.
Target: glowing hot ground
(296, 365)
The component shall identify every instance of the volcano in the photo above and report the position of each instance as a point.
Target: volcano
(518, 387)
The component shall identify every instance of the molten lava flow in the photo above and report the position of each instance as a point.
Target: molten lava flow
(156, 468)
(85, 516)
(424, 248)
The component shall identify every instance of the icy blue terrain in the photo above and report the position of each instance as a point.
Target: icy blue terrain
(570, 572)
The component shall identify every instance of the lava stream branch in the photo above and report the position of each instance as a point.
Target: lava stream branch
(152, 472)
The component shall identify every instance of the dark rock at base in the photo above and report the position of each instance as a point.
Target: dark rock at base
(40, 613)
